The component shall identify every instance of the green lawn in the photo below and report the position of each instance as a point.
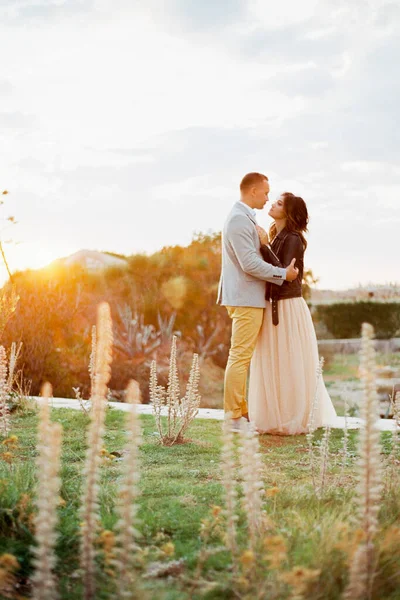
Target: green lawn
(344, 367)
(179, 485)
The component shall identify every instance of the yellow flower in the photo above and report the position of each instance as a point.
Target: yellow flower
(274, 543)
(106, 535)
(247, 558)
(276, 548)
(299, 577)
(11, 441)
(242, 582)
(9, 562)
(107, 540)
(7, 457)
(215, 511)
(272, 492)
(168, 549)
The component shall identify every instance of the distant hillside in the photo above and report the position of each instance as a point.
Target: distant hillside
(92, 260)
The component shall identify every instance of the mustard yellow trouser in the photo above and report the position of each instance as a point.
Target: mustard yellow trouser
(246, 325)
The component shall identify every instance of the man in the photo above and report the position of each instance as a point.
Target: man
(242, 288)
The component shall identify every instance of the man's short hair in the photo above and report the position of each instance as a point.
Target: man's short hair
(251, 179)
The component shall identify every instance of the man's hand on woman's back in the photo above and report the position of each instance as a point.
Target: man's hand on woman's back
(291, 271)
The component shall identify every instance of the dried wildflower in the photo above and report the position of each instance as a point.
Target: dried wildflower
(311, 420)
(369, 475)
(228, 464)
(253, 486)
(395, 402)
(173, 568)
(46, 518)
(344, 449)
(14, 356)
(4, 394)
(92, 361)
(126, 527)
(324, 459)
(89, 511)
(179, 412)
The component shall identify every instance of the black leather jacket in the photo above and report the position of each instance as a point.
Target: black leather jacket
(286, 245)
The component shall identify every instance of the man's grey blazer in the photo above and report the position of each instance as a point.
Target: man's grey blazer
(244, 271)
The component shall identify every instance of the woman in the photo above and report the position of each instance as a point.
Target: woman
(283, 369)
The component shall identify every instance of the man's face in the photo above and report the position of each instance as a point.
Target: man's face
(260, 194)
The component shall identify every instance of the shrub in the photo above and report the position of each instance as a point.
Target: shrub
(344, 319)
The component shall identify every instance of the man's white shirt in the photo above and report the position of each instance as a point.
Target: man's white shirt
(250, 210)
(253, 214)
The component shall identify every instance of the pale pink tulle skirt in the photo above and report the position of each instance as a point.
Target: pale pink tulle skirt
(283, 373)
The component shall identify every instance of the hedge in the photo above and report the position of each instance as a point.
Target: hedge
(344, 319)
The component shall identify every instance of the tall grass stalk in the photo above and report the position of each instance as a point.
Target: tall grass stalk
(369, 486)
(90, 508)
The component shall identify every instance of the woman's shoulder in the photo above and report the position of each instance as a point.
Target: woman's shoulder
(294, 239)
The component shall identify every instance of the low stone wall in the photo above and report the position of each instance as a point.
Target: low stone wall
(353, 346)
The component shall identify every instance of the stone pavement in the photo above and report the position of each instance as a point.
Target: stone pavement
(210, 413)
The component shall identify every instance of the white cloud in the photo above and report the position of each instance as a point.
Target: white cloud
(129, 128)
(277, 14)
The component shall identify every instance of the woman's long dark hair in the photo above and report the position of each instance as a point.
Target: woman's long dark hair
(296, 217)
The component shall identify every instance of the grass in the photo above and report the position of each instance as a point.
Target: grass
(179, 485)
(344, 367)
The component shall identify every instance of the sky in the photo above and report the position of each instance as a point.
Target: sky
(127, 125)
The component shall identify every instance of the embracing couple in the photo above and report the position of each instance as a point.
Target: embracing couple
(272, 329)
